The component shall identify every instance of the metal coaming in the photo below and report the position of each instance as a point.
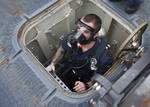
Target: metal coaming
(32, 22)
(125, 23)
(142, 26)
(132, 73)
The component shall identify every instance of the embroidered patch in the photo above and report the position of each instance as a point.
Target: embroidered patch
(93, 64)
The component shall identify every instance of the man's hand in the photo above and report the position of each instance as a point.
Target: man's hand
(51, 67)
(79, 86)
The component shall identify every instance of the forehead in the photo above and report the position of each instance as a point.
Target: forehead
(90, 24)
(86, 25)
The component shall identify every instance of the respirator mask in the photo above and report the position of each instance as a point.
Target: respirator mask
(78, 36)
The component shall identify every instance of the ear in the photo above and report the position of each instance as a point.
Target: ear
(96, 35)
(102, 32)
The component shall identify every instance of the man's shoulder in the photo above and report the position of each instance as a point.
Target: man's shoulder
(102, 41)
(101, 46)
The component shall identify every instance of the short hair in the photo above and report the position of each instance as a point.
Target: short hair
(94, 19)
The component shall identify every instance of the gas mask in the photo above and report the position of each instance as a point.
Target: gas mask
(78, 35)
(76, 39)
(82, 39)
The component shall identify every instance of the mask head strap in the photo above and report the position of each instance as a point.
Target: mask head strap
(86, 26)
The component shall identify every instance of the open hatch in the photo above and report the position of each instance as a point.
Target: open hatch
(41, 35)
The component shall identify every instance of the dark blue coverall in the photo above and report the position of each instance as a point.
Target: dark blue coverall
(81, 66)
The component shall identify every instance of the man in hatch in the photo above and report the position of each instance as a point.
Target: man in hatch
(82, 53)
